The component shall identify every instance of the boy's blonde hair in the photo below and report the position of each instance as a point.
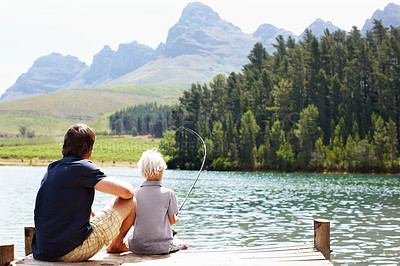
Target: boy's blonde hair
(151, 163)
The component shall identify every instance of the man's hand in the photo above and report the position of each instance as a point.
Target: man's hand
(115, 187)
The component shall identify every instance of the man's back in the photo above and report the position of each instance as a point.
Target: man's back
(63, 207)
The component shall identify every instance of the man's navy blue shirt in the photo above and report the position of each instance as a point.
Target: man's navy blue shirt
(63, 207)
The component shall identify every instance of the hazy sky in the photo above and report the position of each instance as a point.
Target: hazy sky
(33, 28)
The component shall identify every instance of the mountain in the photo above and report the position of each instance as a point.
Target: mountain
(267, 33)
(100, 69)
(390, 16)
(108, 65)
(48, 73)
(198, 47)
(318, 28)
(56, 72)
(201, 31)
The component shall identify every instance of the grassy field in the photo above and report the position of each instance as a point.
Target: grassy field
(125, 148)
(44, 149)
(162, 91)
(51, 114)
(42, 125)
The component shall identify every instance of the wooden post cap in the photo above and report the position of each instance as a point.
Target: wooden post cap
(6, 254)
(322, 221)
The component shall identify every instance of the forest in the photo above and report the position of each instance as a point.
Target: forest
(318, 104)
(142, 119)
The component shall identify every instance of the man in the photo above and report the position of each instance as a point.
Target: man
(65, 230)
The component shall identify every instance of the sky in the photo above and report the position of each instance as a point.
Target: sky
(30, 29)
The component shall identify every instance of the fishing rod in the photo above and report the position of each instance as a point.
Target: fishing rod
(202, 164)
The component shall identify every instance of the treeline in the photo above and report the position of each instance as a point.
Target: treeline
(328, 104)
(141, 119)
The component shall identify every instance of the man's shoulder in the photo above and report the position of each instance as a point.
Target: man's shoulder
(78, 161)
(74, 163)
(70, 159)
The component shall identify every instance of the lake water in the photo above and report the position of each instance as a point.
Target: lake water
(236, 209)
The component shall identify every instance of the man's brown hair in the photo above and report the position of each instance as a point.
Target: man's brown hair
(78, 140)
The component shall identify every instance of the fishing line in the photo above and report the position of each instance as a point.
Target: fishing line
(202, 164)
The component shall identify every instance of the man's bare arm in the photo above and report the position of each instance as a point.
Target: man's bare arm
(115, 187)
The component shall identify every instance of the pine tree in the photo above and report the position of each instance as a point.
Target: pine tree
(308, 130)
(248, 133)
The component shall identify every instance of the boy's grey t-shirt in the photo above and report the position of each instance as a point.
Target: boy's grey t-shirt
(152, 232)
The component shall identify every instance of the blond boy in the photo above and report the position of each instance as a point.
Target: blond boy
(156, 210)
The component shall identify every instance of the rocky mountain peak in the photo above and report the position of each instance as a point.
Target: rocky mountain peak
(54, 60)
(198, 30)
(47, 74)
(267, 33)
(200, 14)
(108, 64)
(106, 49)
(318, 28)
(129, 57)
(100, 67)
(390, 15)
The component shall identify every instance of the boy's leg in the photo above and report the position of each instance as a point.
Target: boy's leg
(125, 208)
(177, 245)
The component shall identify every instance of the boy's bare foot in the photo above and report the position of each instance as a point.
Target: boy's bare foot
(117, 248)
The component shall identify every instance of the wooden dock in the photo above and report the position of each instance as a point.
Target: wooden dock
(282, 254)
(286, 254)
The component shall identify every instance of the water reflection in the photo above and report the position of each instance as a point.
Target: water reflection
(251, 209)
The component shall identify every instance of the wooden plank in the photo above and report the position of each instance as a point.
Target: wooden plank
(265, 254)
(289, 245)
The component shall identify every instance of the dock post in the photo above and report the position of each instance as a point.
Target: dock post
(6, 254)
(29, 231)
(322, 237)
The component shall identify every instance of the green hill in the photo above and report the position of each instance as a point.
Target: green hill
(51, 114)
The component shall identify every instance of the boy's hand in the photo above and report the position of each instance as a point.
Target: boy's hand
(173, 219)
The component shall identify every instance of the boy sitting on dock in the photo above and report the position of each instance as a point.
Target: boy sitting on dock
(64, 228)
(155, 212)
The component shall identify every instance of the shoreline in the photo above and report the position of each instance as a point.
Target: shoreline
(132, 164)
(46, 162)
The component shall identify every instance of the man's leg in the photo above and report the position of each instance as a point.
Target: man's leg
(110, 222)
(125, 208)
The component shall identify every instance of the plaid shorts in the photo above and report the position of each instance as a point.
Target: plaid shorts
(106, 226)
